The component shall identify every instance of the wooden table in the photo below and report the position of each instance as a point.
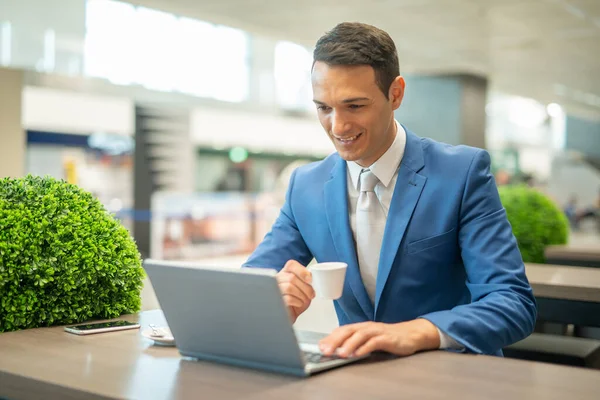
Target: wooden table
(564, 282)
(576, 255)
(51, 364)
(566, 294)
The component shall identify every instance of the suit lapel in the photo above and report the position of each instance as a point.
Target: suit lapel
(336, 207)
(409, 186)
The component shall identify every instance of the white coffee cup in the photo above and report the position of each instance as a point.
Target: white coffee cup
(328, 279)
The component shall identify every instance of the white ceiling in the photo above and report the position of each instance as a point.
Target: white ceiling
(545, 49)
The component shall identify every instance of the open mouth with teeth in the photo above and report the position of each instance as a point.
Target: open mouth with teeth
(348, 139)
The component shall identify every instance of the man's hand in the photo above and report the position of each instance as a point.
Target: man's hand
(295, 284)
(402, 339)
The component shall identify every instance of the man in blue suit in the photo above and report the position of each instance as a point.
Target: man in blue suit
(432, 260)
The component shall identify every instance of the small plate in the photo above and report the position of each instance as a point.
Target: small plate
(166, 338)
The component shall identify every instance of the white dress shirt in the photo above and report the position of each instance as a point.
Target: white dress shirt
(386, 170)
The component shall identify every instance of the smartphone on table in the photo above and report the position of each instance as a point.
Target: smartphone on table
(99, 327)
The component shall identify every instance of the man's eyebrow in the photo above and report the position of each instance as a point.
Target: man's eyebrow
(345, 101)
(353, 99)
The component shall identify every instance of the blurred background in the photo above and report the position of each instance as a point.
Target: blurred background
(186, 118)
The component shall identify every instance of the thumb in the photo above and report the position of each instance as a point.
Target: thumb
(294, 267)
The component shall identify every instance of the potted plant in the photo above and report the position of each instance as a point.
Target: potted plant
(536, 220)
(63, 257)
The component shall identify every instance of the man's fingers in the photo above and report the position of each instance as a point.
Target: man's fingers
(375, 343)
(352, 343)
(329, 344)
(292, 301)
(294, 282)
(299, 270)
(362, 334)
(286, 278)
(289, 288)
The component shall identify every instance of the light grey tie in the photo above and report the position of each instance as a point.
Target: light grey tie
(370, 224)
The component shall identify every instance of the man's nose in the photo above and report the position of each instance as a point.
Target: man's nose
(339, 125)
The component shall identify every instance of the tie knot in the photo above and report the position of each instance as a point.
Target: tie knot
(368, 180)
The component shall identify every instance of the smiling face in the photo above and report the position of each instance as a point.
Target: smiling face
(353, 110)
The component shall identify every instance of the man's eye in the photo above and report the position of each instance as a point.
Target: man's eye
(355, 106)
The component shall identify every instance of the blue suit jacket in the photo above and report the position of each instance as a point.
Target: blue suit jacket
(448, 252)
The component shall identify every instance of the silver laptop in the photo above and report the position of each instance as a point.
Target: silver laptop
(234, 316)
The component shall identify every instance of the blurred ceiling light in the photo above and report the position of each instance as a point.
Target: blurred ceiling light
(292, 67)
(554, 110)
(49, 49)
(5, 44)
(526, 112)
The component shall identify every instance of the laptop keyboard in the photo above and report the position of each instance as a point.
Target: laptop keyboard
(317, 358)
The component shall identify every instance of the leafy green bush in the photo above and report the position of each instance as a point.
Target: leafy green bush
(536, 221)
(63, 257)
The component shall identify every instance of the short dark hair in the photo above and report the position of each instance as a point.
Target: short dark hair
(354, 43)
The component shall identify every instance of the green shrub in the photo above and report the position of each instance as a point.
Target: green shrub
(63, 257)
(536, 221)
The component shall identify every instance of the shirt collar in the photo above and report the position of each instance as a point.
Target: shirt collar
(387, 165)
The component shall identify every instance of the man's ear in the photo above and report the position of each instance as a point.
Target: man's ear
(396, 92)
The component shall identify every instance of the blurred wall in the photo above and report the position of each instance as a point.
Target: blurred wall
(448, 108)
(473, 101)
(12, 135)
(430, 108)
(583, 135)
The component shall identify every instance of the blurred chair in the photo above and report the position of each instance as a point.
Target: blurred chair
(564, 350)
